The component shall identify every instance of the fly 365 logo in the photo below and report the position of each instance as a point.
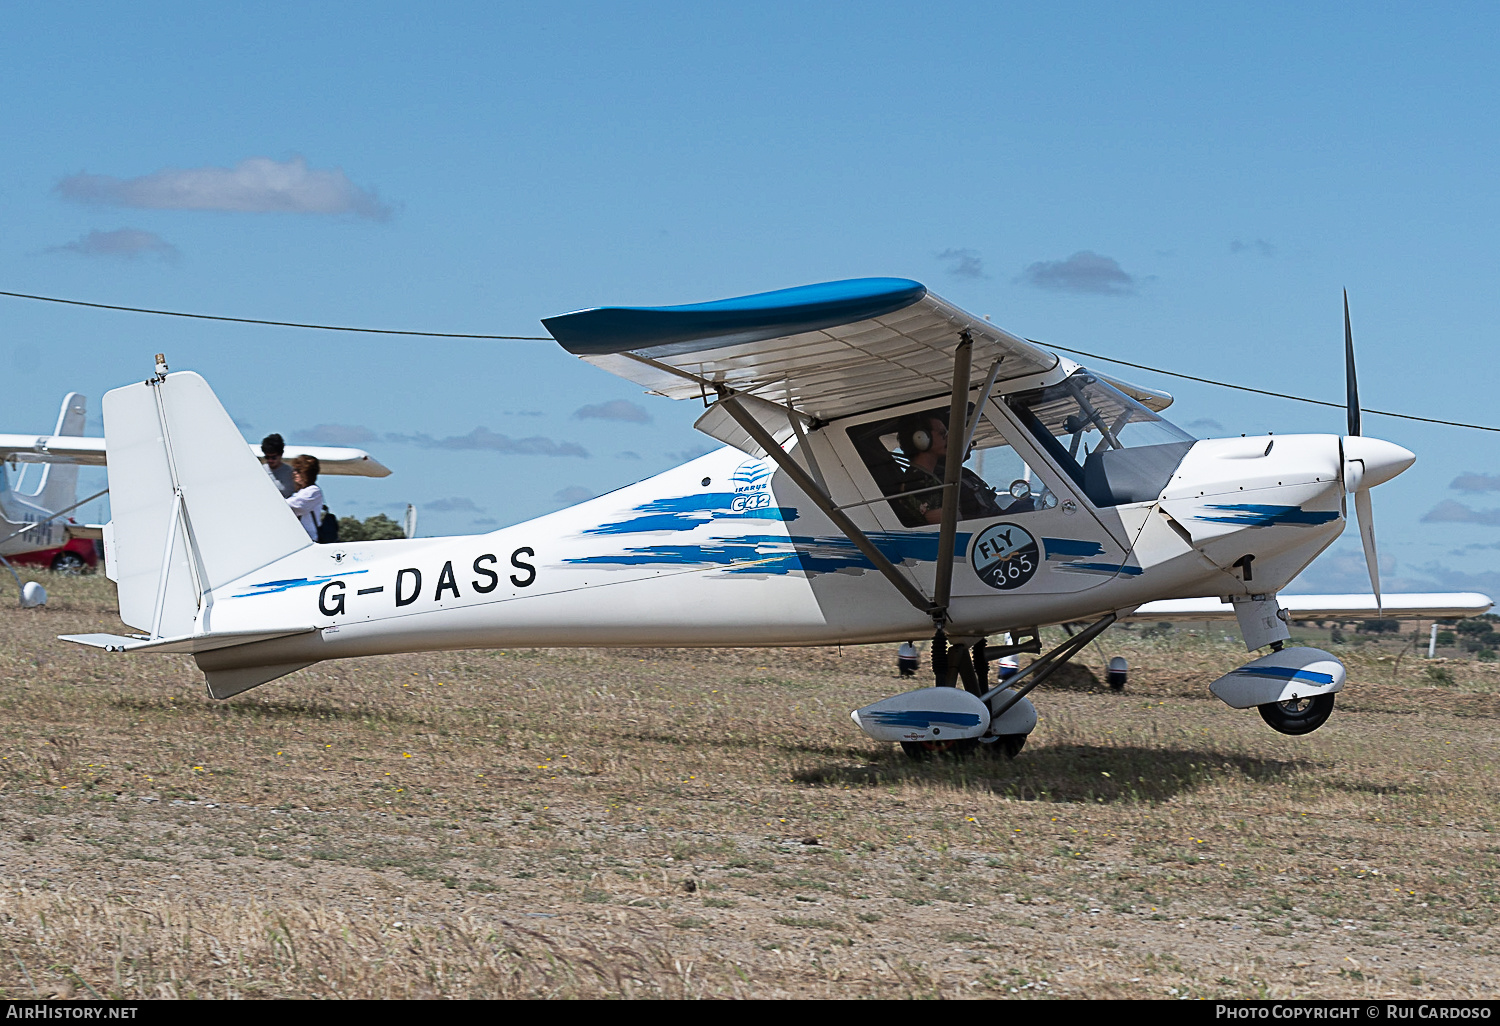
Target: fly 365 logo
(1004, 556)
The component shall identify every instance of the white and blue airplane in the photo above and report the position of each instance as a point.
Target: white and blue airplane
(893, 467)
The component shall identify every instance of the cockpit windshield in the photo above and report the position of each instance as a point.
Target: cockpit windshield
(1115, 449)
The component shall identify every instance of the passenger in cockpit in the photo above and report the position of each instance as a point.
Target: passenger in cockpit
(923, 438)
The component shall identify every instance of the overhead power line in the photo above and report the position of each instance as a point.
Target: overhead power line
(278, 324)
(1261, 391)
(546, 338)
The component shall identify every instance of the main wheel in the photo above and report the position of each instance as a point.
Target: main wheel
(922, 751)
(1299, 716)
(70, 563)
(1010, 745)
(1007, 745)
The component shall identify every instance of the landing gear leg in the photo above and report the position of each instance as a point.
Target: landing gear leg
(942, 675)
(1007, 693)
(960, 662)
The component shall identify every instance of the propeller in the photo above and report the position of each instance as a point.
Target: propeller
(1351, 381)
(1355, 465)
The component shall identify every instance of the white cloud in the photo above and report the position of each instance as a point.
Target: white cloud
(1472, 482)
(1260, 246)
(484, 438)
(1450, 512)
(120, 244)
(573, 495)
(457, 502)
(1084, 271)
(963, 263)
(618, 409)
(256, 185)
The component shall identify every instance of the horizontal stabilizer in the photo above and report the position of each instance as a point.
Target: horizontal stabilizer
(1327, 607)
(186, 643)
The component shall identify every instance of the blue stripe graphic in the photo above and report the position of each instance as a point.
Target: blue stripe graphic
(1252, 514)
(273, 587)
(1067, 548)
(922, 718)
(1285, 673)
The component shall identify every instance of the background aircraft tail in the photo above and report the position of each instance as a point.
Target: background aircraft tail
(192, 508)
(58, 485)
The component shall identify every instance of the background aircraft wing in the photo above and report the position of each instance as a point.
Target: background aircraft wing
(76, 449)
(823, 351)
(336, 460)
(1326, 607)
(87, 451)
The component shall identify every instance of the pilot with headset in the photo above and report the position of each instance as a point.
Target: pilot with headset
(923, 438)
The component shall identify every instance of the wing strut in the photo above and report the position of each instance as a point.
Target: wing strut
(958, 432)
(730, 402)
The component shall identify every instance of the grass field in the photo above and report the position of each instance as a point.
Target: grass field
(683, 824)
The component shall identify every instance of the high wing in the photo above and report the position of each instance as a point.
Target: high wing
(821, 351)
(1326, 607)
(87, 451)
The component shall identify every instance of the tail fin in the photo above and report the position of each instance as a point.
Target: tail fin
(58, 487)
(192, 508)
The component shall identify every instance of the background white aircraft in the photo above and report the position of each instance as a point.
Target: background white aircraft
(37, 519)
(896, 466)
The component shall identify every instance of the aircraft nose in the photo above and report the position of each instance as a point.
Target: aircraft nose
(1372, 461)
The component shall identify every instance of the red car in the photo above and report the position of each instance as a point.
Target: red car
(79, 556)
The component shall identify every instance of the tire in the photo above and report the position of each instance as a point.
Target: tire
(70, 564)
(1301, 716)
(1010, 745)
(925, 751)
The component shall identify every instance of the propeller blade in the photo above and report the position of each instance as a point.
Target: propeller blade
(1366, 516)
(1351, 383)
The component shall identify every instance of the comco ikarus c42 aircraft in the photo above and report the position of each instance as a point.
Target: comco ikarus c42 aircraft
(894, 467)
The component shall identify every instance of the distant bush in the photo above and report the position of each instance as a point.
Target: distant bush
(1157, 630)
(1440, 676)
(1379, 627)
(1475, 626)
(1486, 655)
(376, 528)
(1336, 637)
(1446, 638)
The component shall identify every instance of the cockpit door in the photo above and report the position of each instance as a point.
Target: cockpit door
(1023, 528)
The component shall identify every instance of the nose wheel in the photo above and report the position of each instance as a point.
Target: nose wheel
(1298, 716)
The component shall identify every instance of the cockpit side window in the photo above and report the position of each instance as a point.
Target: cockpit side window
(907, 457)
(1116, 450)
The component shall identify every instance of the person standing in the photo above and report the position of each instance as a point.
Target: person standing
(274, 447)
(307, 500)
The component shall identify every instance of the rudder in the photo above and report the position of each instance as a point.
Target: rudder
(58, 486)
(192, 508)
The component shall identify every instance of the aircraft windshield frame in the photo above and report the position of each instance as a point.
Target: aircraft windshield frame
(1083, 408)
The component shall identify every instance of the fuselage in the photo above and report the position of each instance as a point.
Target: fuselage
(725, 551)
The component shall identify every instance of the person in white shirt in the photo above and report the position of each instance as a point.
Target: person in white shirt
(307, 500)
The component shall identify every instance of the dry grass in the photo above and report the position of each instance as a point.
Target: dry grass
(684, 824)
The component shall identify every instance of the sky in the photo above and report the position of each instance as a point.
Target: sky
(1185, 186)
